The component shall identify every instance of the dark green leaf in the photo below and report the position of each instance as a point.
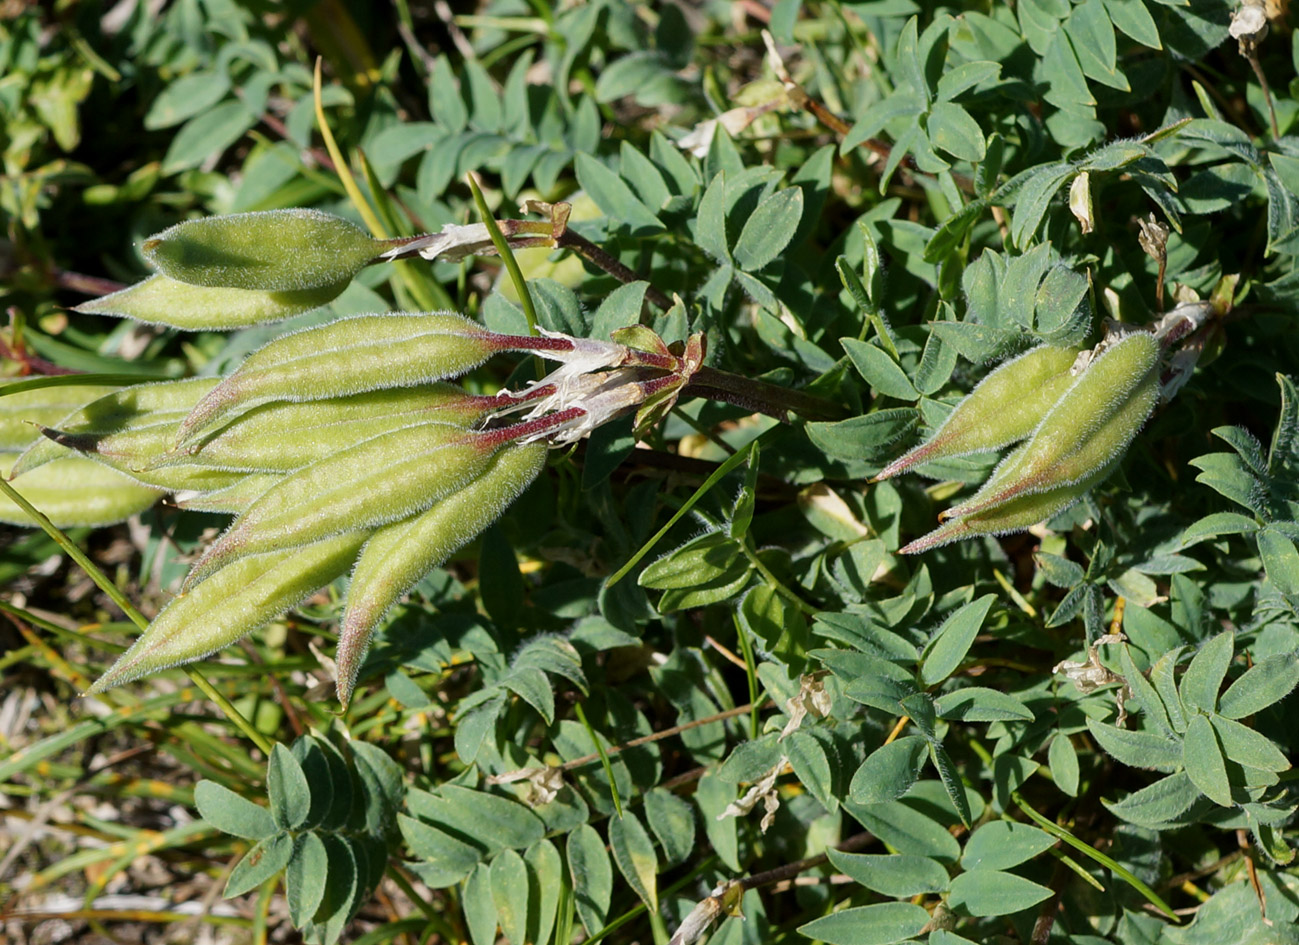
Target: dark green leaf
(1137, 749)
(592, 875)
(1202, 756)
(305, 877)
(289, 792)
(953, 640)
(228, 812)
(880, 924)
(991, 892)
(1265, 683)
(1001, 844)
(259, 864)
(769, 229)
(633, 851)
(896, 875)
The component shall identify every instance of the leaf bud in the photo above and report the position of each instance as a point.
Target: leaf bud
(267, 251)
(1003, 408)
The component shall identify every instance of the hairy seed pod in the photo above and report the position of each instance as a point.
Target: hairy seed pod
(380, 480)
(1087, 430)
(128, 428)
(1014, 515)
(234, 499)
(267, 251)
(397, 556)
(1004, 408)
(75, 491)
(238, 599)
(159, 300)
(282, 436)
(23, 412)
(146, 409)
(348, 356)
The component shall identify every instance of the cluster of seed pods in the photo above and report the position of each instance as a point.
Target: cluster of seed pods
(336, 446)
(1076, 416)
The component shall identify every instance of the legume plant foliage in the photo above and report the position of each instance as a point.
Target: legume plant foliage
(762, 472)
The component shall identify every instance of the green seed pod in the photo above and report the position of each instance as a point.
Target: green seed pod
(380, 480)
(232, 500)
(397, 556)
(1087, 430)
(349, 356)
(128, 429)
(148, 409)
(238, 599)
(23, 412)
(268, 251)
(159, 300)
(282, 437)
(75, 491)
(1011, 516)
(1004, 408)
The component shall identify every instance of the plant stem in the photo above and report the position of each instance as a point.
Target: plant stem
(568, 239)
(759, 396)
(659, 736)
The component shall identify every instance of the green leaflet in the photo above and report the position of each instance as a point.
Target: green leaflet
(398, 555)
(75, 491)
(269, 251)
(159, 300)
(344, 357)
(1005, 407)
(380, 480)
(235, 601)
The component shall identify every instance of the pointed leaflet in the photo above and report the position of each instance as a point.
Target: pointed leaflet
(592, 875)
(633, 851)
(880, 924)
(1203, 678)
(271, 251)
(511, 893)
(235, 601)
(953, 640)
(288, 789)
(1265, 683)
(399, 555)
(232, 814)
(259, 864)
(1202, 756)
